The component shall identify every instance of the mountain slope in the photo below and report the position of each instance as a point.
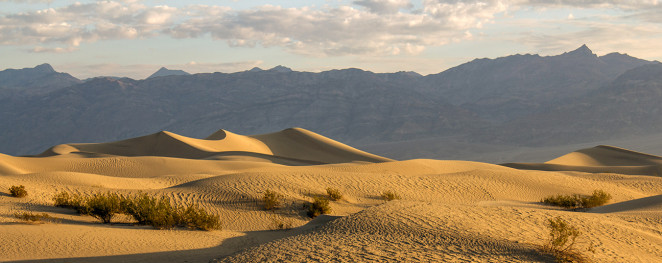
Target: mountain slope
(40, 79)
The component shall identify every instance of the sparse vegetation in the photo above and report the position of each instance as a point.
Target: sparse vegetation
(319, 206)
(33, 218)
(76, 202)
(105, 206)
(272, 200)
(390, 195)
(18, 191)
(334, 194)
(576, 201)
(562, 239)
(278, 223)
(145, 209)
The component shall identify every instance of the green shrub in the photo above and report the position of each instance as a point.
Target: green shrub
(32, 217)
(197, 218)
(159, 213)
(73, 201)
(272, 200)
(319, 206)
(334, 194)
(562, 239)
(575, 201)
(18, 191)
(390, 195)
(105, 206)
(598, 198)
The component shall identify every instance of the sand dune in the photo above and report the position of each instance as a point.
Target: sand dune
(450, 210)
(600, 159)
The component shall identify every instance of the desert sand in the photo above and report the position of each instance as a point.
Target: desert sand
(454, 211)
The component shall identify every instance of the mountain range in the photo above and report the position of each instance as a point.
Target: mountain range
(514, 101)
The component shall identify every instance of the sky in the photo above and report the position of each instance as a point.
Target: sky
(134, 38)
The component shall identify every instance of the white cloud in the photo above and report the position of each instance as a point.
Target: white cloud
(384, 6)
(365, 27)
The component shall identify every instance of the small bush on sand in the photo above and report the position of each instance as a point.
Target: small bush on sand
(33, 218)
(73, 201)
(575, 201)
(334, 194)
(278, 223)
(272, 200)
(319, 206)
(562, 239)
(390, 195)
(195, 217)
(18, 191)
(105, 206)
(161, 214)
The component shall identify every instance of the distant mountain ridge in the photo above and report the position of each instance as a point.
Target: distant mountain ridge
(513, 100)
(162, 72)
(40, 79)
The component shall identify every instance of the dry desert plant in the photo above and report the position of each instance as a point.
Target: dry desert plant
(272, 200)
(34, 218)
(334, 194)
(18, 191)
(319, 206)
(576, 201)
(562, 239)
(390, 195)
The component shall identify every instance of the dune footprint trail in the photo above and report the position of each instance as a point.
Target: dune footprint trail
(449, 211)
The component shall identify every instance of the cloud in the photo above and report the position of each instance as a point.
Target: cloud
(384, 6)
(364, 27)
(40, 49)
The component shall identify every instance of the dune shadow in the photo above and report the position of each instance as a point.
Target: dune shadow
(227, 248)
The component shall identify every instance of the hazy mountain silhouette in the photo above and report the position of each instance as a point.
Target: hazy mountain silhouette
(168, 72)
(40, 79)
(516, 100)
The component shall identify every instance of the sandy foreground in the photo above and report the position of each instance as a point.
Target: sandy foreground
(455, 211)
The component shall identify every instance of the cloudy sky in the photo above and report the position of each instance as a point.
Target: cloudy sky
(134, 38)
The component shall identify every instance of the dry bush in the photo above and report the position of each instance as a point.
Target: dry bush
(34, 218)
(18, 191)
(73, 201)
(575, 201)
(334, 194)
(272, 200)
(390, 195)
(161, 214)
(146, 210)
(319, 206)
(105, 206)
(278, 223)
(562, 239)
(195, 217)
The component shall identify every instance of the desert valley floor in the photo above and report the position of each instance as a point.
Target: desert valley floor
(449, 211)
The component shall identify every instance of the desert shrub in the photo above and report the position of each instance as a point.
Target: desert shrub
(197, 218)
(105, 206)
(161, 214)
(562, 239)
(575, 201)
(278, 223)
(272, 200)
(73, 201)
(319, 206)
(334, 194)
(18, 191)
(390, 195)
(598, 198)
(32, 217)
